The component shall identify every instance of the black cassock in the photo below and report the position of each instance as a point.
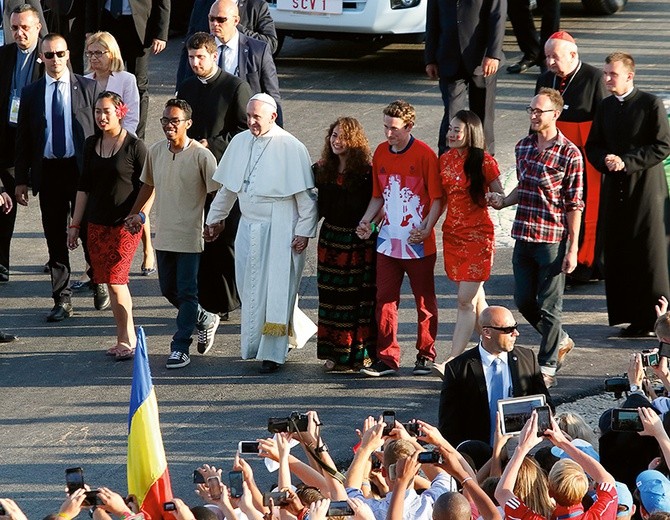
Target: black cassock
(634, 219)
(219, 113)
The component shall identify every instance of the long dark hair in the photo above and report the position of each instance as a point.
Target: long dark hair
(358, 150)
(474, 163)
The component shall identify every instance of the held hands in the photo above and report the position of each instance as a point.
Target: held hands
(364, 229)
(299, 244)
(213, 231)
(133, 224)
(418, 234)
(495, 200)
(73, 238)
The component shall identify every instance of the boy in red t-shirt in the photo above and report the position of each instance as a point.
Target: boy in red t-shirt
(406, 183)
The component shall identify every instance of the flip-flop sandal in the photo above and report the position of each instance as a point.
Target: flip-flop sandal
(125, 353)
(114, 351)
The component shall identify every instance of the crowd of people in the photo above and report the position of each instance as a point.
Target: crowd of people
(227, 166)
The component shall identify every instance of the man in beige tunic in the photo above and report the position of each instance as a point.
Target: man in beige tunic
(269, 171)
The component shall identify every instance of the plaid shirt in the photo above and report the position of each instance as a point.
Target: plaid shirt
(550, 185)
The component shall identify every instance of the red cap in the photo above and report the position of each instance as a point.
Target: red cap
(562, 35)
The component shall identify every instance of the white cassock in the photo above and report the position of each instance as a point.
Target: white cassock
(271, 175)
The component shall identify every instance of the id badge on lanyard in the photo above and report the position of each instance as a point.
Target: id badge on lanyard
(14, 103)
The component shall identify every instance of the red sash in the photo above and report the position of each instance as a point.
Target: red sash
(577, 133)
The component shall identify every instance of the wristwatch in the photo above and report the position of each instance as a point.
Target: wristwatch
(634, 388)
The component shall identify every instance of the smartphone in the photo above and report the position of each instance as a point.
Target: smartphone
(169, 506)
(235, 480)
(389, 421)
(429, 457)
(214, 486)
(93, 498)
(248, 447)
(74, 479)
(626, 420)
(543, 419)
(198, 478)
(278, 498)
(391, 472)
(413, 428)
(341, 508)
(650, 358)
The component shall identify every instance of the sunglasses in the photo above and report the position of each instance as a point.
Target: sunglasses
(218, 19)
(50, 55)
(504, 330)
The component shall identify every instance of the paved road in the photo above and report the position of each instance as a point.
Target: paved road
(64, 404)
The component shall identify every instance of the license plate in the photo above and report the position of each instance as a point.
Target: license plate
(311, 6)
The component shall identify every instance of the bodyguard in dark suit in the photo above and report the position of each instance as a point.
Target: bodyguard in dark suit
(7, 6)
(219, 102)
(140, 27)
(55, 118)
(468, 400)
(255, 22)
(20, 67)
(464, 50)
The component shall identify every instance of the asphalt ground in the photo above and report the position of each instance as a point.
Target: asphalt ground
(65, 404)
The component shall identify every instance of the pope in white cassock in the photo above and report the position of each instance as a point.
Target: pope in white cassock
(270, 172)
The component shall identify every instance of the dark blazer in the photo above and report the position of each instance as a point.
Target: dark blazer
(7, 132)
(257, 67)
(30, 136)
(9, 6)
(477, 31)
(464, 402)
(219, 109)
(151, 18)
(68, 8)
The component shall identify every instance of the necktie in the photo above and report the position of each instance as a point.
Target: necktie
(496, 391)
(58, 122)
(116, 8)
(222, 61)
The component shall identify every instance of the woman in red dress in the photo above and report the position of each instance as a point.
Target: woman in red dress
(468, 173)
(107, 190)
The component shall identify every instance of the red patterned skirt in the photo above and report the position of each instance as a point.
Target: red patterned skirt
(111, 249)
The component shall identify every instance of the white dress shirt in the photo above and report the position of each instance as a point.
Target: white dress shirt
(487, 366)
(64, 87)
(230, 59)
(124, 84)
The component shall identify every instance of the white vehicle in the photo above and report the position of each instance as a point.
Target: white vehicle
(370, 19)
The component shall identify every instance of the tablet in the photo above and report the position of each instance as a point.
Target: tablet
(515, 411)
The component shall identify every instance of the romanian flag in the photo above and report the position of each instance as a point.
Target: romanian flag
(148, 477)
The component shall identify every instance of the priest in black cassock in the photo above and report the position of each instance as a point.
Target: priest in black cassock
(219, 101)
(629, 140)
(583, 88)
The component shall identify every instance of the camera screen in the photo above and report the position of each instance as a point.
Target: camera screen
(516, 411)
(340, 509)
(248, 447)
(543, 419)
(235, 483)
(626, 420)
(428, 457)
(389, 421)
(74, 479)
(197, 477)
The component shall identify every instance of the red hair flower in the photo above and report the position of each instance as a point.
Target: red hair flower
(121, 110)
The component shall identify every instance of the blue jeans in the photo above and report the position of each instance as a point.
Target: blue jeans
(178, 279)
(538, 294)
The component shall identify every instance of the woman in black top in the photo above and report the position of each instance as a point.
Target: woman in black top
(108, 187)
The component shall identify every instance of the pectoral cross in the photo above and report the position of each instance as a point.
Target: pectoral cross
(246, 183)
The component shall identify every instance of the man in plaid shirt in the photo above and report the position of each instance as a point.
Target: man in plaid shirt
(546, 227)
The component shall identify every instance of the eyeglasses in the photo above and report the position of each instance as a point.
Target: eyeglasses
(97, 54)
(50, 55)
(536, 111)
(218, 19)
(174, 122)
(504, 330)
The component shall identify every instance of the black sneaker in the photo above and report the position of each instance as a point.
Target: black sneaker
(422, 367)
(379, 368)
(177, 359)
(206, 336)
